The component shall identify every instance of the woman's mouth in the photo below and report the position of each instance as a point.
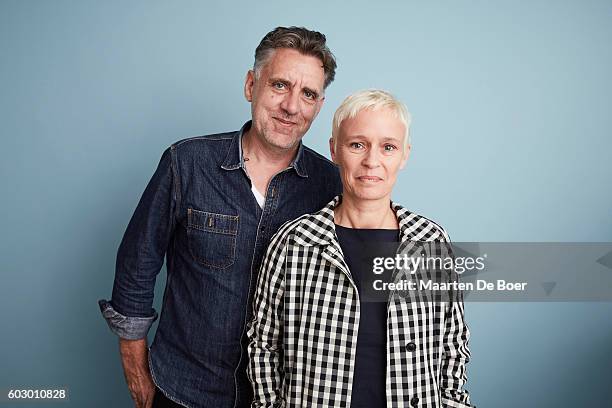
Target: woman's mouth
(369, 179)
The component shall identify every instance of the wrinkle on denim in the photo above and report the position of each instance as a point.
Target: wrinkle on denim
(198, 213)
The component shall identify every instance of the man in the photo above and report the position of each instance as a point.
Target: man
(210, 209)
(316, 340)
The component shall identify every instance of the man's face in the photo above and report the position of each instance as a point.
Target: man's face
(370, 152)
(285, 98)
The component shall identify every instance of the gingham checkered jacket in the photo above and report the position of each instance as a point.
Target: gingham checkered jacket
(306, 314)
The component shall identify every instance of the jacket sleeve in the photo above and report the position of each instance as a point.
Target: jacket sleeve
(456, 353)
(141, 254)
(265, 330)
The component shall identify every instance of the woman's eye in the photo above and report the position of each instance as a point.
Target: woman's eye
(390, 148)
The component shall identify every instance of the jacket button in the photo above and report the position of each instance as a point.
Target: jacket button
(414, 401)
(411, 347)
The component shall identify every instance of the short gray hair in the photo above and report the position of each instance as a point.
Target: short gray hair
(305, 41)
(371, 99)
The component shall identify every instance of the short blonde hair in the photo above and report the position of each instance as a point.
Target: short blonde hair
(371, 99)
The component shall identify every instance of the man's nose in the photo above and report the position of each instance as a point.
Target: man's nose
(291, 102)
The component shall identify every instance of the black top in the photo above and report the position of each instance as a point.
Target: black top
(359, 246)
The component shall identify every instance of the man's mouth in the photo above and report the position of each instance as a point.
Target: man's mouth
(284, 122)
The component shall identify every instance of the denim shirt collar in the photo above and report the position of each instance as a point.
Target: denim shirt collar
(234, 160)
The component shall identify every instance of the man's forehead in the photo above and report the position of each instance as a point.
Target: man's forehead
(293, 66)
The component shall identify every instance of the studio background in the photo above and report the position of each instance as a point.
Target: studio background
(511, 142)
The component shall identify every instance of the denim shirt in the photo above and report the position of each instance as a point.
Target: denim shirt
(198, 211)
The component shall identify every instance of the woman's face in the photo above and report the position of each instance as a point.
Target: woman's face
(370, 152)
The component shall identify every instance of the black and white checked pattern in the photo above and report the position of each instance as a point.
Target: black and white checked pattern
(306, 316)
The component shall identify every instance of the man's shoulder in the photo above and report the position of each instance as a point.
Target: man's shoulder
(317, 156)
(192, 149)
(204, 140)
(319, 162)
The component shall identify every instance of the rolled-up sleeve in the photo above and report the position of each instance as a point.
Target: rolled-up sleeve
(141, 254)
(130, 328)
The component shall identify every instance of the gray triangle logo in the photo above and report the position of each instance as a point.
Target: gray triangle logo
(548, 287)
(606, 260)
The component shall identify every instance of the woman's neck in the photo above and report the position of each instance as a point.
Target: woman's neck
(365, 214)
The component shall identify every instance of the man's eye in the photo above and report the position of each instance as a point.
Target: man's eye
(309, 95)
(356, 145)
(278, 85)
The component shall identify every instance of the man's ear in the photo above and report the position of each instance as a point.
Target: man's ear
(405, 158)
(249, 82)
(332, 149)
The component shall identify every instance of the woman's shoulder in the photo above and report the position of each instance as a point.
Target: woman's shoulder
(416, 227)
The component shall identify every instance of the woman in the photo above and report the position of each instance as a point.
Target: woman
(314, 341)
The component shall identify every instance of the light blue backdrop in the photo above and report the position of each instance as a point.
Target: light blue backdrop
(511, 142)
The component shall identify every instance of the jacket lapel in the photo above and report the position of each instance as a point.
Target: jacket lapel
(332, 253)
(321, 231)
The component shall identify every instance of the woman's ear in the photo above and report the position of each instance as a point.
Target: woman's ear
(332, 149)
(405, 158)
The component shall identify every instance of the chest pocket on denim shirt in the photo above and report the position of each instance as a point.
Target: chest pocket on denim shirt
(212, 237)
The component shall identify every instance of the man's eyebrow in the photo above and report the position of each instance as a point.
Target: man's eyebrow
(282, 80)
(287, 82)
(313, 91)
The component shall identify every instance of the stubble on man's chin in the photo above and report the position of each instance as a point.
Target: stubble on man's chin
(286, 148)
(276, 144)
